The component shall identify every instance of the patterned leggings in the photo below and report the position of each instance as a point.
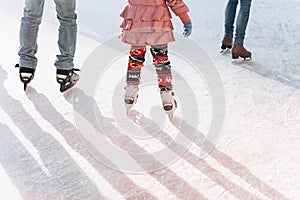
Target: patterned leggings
(160, 61)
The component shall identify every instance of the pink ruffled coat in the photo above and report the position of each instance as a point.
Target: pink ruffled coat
(148, 22)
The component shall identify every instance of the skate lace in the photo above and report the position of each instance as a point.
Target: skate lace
(167, 96)
(131, 91)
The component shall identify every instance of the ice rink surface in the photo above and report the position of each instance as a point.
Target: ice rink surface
(45, 155)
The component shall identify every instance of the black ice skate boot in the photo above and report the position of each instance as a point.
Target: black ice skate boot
(66, 78)
(168, 102)
(26, 74)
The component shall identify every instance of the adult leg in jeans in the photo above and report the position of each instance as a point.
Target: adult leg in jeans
(238, 49)
(242, 21)
(30, 22)
(67, 33)
(230, 13)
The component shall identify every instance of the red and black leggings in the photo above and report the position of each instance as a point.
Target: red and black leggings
(160, 61)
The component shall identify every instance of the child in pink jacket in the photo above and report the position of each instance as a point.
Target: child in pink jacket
(148, 22)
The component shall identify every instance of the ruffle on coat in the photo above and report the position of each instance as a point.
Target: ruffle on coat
(148, 22)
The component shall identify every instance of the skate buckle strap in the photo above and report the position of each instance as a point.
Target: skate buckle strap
(66, 78)
(66, 71)
(75, 70)
(26, 74)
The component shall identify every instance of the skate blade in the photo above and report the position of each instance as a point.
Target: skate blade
(225, 51)
(128, 108)
(240, 60)
(25, 82)
(25, 79)
(170, 115)
(25, 86)
(64, 88)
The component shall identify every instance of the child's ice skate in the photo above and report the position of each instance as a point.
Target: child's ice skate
(168, 101)
(26, 74)
(66, 78)
(130, 97)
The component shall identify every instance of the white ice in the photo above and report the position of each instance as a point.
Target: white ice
(257, 155)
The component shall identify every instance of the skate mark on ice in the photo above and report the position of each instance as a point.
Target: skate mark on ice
(147, 124)
(177, 186)
(225, 52)
(58, 162)
(263, 71)
(277, 48)
(15, 160)
(119, 181)
(234, 166)
(201, 164)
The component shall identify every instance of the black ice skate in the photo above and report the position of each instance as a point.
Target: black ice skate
(66, 78)
(168, 102)
(26, 74)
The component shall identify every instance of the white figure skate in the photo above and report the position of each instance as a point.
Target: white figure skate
(168, 102)
(130, 97)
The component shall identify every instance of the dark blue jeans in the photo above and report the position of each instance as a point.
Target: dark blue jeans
(242, 19)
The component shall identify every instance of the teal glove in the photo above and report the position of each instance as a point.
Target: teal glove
(187, 29)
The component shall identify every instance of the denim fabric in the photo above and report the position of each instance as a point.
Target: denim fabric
(30, 22)
(241, 22)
